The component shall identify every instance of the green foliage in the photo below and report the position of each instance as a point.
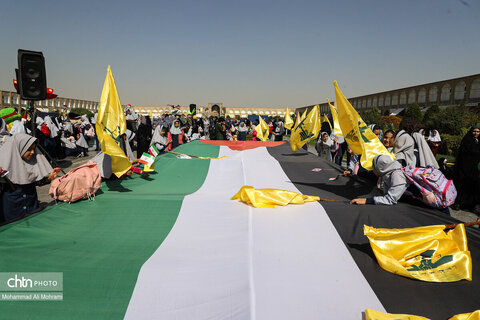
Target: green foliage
(371, 116)
(431, 116)
(450, 144)
(453, 120)
(414, 112)
(82, 111)
(411, 125)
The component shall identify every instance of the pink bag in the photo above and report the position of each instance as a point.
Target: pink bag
(79, 183)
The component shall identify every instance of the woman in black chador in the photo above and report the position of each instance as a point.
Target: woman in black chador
(144, 135)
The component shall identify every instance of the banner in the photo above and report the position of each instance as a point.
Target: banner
(306, 128)
(111, 124)
(288, 120)
(359, 137)
(423, 253)
(263, 131)
(336, 124)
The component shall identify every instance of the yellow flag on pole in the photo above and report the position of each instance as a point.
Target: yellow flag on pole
(111, 125)
(423, 253)
(336, 124)
(324, 118)
(377, 315)
(263, 131)
(306, 128)
(288, 120)
(359, 137)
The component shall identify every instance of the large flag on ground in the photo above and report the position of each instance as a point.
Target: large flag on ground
(288, 120)
(176, 247)
(423, 253)
(333, 110)
(111, 124)
(359, 137)
(307, 128)
(263, 131)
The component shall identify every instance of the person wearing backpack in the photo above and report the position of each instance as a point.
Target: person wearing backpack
(394, 183)
(27, 168)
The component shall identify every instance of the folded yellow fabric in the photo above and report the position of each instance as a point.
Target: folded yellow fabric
(377, 315)
(467, 316)
(271, 198)
(423, 253)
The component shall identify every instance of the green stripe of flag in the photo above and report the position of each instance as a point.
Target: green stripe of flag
(100, 246)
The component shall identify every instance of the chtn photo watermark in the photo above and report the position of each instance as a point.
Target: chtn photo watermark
(34, 286)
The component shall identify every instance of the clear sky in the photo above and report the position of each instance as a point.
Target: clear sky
(241, 53)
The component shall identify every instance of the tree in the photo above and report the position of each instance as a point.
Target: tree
(414, 112)
(82, 111)
(431, 116)
(371, 116)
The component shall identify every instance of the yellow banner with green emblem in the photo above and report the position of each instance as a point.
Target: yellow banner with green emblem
(111, 124)
(263, 131)
(423, 253)
(306, 128)
(336, 124)
(288, 120)
(359, 137)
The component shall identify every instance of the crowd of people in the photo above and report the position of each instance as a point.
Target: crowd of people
(26, 159)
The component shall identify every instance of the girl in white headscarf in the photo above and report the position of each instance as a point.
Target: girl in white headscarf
(17, 127)
(175, 135)
(434, 141)
(325, 143)
(27, 168)
(403, 149)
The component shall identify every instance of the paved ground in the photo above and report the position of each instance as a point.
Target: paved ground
(71, 162)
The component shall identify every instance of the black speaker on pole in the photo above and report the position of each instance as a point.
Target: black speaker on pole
(193, 109)
(31, 77)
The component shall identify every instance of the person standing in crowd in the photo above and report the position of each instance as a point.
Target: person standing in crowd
(242, 132)
(220, 129)
(325, 143)
(279, 131)
(160, 139)
(27, 168)
(175, 135)
(434, 141)
(467, 171)
(4, 134)
(144, 135)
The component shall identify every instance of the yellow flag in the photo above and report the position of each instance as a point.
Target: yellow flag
(467, 316)
(288, 120)
(359, 137)
(338, 130)
(377, 315)
(324, 118)
(270, 198)
(262, 129)
(423, 253)
(306, 128)
(111, 125)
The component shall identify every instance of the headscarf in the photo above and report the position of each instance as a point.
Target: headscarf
(434, 138)
(404, 148)
(329, 141)
(4, 134)
(17, 127)
(130, 135)
(157, 137)
(21, 171)
(242, 127)
(68, 126)
(85, 120)
(39, 121)
(104, 164)
(389, 170)
(279, 130)
(175, 130)
(425, 154)
(81, 142)
(52, 126)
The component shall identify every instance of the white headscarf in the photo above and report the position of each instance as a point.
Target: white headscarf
(434, 138)
(39, 121)
(104, 164)
(81, 142)
(157, 137)
(175, 130)
(21, 171)
(52, 126)
(4, 134)
(17, 127)
(404, 148)
(425, 155)
(242, 127)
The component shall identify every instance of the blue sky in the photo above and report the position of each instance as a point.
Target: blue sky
(241, 53)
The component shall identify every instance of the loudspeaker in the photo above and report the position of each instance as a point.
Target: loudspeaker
(31, 78)
(193, 109)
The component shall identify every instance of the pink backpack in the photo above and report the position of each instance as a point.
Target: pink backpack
(437, 191)
(79, 183)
